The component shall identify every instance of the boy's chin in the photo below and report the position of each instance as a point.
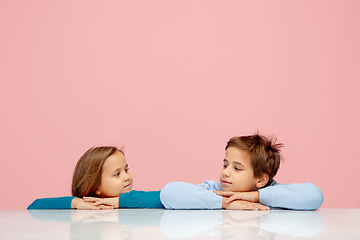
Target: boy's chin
(226, 188)
(231, 189)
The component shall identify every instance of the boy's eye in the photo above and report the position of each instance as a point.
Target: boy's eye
(117, 174)
(127, 170)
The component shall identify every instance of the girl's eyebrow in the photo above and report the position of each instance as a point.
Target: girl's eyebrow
(119, 169)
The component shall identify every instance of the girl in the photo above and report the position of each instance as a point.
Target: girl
(101, 180)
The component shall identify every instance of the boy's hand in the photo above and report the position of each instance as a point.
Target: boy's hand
(80, 204)
(244, 205)
(247, 196)
(110, 202)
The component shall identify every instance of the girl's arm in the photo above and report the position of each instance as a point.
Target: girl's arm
(52, 203)
(65, 203)
(140, 199)
(132, 199)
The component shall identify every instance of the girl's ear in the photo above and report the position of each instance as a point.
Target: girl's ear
(98, 192)
(262, 181)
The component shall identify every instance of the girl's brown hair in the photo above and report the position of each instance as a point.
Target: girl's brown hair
(88, 170)
(264, 151)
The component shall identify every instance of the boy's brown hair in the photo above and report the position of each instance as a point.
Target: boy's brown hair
(88, 170)
(264, 152)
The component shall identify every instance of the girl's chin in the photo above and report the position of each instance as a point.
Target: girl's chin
(127, 190)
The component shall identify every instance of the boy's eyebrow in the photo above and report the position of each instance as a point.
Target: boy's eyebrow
(239, 163)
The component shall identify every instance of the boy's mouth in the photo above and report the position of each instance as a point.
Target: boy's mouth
(225, 182)
(129, 185)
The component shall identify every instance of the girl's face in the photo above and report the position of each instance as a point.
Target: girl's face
(115, 178)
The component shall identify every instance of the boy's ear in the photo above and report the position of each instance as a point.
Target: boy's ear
(263, 180)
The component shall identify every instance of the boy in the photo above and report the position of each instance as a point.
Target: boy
(246, 182)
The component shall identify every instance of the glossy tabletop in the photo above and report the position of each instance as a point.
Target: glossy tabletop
(179, 224)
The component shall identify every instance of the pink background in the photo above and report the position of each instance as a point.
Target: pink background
(172, 81)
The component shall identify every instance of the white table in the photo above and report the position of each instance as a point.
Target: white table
(179, 224)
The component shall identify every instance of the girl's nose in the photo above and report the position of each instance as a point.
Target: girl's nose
(127, 177)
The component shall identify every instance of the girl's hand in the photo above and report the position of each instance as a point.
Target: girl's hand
(232, 196)
(80, 204)
(95, 216)
(110, 202)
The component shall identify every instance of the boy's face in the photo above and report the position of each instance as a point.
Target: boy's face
(237, 175)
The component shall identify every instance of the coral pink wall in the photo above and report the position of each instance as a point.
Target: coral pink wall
(172, 81)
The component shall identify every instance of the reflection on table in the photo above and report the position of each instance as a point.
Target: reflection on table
(179, 224)
(241, 224)
(183, 224)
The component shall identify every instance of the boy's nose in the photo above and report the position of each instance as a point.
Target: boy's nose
(226, 173)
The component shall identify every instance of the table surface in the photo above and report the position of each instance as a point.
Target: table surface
(179, 224)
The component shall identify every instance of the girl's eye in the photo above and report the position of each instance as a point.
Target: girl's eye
(225, 166)
(238, 169)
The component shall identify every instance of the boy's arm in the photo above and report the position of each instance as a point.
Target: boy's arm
(296, 196)
(182, 195)
(52, 203)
